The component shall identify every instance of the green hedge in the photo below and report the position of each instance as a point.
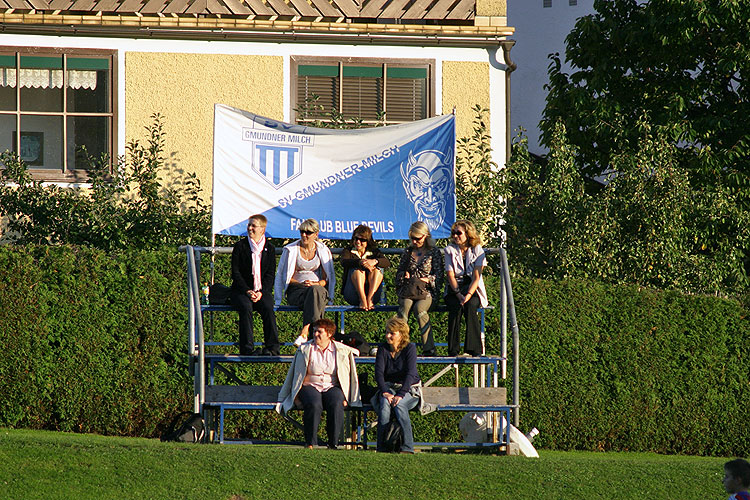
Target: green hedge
(91, 342)
(96, 342)
(625, 368)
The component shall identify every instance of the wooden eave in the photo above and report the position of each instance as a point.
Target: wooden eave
(425, 22)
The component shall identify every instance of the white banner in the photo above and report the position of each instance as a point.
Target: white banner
(384, 177)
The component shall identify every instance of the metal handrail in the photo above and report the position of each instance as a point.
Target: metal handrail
(508, 311)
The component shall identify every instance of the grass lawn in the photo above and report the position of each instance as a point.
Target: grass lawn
(55, 465)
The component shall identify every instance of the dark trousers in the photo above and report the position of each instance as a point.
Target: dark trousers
(264, 306)
(311, 299)
(313, 403)
(473, 344)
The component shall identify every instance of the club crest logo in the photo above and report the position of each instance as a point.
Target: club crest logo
(276, 164)
(428, 181)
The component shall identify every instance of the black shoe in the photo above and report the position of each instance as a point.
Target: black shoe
(268, 352)
(433, 352)
(246, 352)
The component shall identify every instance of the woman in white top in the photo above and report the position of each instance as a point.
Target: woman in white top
(464, 291)
(306, 275)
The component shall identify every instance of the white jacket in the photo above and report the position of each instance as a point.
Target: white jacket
(285, 270)
(346, 371)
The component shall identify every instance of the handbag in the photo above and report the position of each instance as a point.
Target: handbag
(414, 289)
(463, 284)
(393, 437)
(219, 294)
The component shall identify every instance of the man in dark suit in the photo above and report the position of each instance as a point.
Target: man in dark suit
(253, 272)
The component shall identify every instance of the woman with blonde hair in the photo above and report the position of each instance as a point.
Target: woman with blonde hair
(464, 291)
(419, 279)
(398, 381)
(305, 274)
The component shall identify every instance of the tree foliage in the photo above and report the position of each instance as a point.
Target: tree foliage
(646, 225)
(130, 207)
(479, 181)
(683, 63)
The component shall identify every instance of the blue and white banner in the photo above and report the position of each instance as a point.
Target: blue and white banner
(384, 177)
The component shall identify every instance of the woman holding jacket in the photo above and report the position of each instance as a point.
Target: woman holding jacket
(464, 291)
(399, 388)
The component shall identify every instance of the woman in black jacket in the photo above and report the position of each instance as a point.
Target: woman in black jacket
(398, 381)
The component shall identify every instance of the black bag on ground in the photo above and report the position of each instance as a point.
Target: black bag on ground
(393, 437)
(219, 295)
(186, 427)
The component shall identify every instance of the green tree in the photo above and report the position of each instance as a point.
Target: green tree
(646, 225)
(683, 63)
(676, 72)
(479, 181)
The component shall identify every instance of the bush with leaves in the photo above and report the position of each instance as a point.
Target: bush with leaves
(647, 224)
(480, 186)
(130, 207)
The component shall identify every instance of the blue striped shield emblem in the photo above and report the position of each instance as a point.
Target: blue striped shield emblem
(277, 165)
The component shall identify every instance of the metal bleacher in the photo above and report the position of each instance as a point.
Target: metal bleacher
(214, 400)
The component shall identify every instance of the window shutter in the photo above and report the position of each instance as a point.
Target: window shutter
(406, 94)
(363, 92)
(316, 80)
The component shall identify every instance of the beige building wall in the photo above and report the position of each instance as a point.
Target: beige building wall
(492, 7)
(183, 88)
(465, 84)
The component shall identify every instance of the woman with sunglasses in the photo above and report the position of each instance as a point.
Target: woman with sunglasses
(305, 274)
(464, 291)
(363, 265)
(418, 280)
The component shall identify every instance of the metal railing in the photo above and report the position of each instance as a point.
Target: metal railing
(196, 339)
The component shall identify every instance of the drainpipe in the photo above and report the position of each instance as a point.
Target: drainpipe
(510, 67)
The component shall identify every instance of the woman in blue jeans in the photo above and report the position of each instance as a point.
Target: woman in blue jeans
(398, 381)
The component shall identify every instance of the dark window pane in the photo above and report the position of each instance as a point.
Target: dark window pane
(88, 85)
(89, 132)
(7, 132)
(7, 82)
(41, 141)
(41, 81)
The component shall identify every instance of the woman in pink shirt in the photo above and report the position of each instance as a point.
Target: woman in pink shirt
(323, 376)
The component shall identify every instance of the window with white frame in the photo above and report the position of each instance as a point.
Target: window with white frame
(372, 90)
(62, 102)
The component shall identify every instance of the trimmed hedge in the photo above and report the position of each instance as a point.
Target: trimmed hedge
(96, 342)
(92, 342)
(607, 367)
